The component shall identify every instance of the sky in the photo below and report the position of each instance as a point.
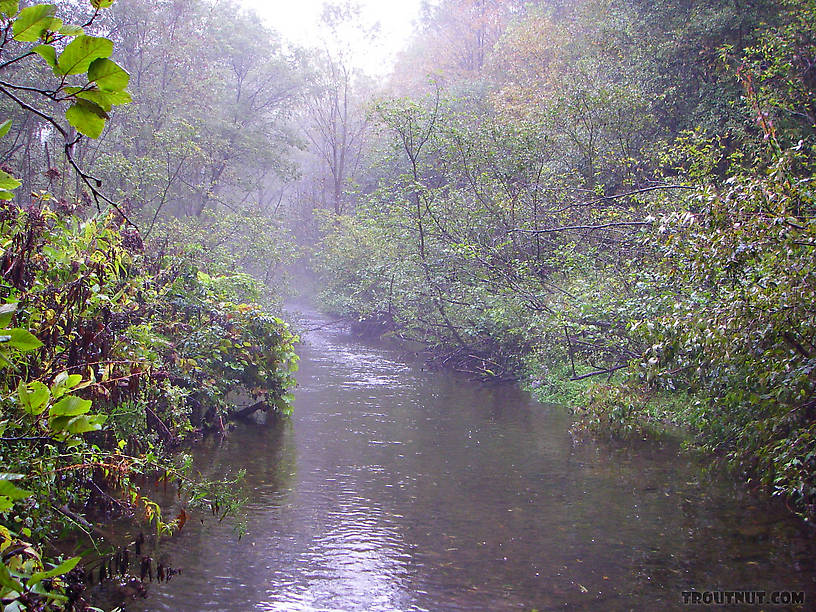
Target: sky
(299, 21)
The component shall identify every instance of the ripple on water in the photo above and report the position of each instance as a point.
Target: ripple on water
(395, 489)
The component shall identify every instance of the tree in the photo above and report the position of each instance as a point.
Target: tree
(335, 125)
(455, 39)
(81, 74)
(231, 148)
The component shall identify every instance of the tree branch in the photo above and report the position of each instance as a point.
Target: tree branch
(599, 372)
(566, 228)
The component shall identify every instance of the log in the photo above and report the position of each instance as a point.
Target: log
(245, 413)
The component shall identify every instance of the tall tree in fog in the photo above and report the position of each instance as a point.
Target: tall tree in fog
(454, 40)
(213, 96)
(335, 125)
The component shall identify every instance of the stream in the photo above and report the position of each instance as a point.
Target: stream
(397, 488)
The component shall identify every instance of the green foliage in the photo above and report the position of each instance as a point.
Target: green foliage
(93, 95)
(735, 282)
(627, 194)
(222, 243)
(112, 355)
(108, 350)
(34, 22)
(228, 150)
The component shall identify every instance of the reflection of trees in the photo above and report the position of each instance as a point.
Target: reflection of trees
(267, 453)
(467, 492)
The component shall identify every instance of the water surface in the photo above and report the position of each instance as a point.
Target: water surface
(395, 488)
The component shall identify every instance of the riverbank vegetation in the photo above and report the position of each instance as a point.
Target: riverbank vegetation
(613, 200)
(128, 331)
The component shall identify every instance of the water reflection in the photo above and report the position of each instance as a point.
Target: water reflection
(398, 489)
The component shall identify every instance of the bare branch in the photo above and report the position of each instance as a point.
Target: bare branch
(600, 372)
(566, 228)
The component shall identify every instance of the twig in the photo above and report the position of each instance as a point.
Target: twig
(567, 228)
(69, 148)
(624, 195)
(599, 372)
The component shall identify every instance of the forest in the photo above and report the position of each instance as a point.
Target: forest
(609, 201)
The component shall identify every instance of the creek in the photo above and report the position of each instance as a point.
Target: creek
(397, 488)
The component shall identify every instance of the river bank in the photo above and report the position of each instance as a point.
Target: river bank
(393, 487)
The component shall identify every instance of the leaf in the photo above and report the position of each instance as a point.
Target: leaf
(20, 339)
(6, 195)
(62, 568)
(33, 397)
(73, 380)
(5, 127)
(48, 53)
(6, 313)
(100, 4)
(79, 424)
(7, 581)
(9, 7)
(12, 492)
(71, 30)
(108, 75)
(105, 99)
(87, 117)
(8, 182)
(70, 405)
(62, 383)
(33, 21)
(81, 52)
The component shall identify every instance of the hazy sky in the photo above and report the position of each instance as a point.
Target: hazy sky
(299, 21)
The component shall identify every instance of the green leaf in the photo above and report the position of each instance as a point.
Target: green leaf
(108, 75)
(62, 383)
(81, 52)
(55, 25)
(7, 581)
(5, 505)
(73, 380)
(7, 181)
(12, 492)
(70, 405)
(33, 21)
(6, 313)
(71, 30)
(9, 7)
(87, 117)
(33, 397)
(62, 568)
(5, 127)
(6, 195)
(79, 424)
(106, 100)
(48, 53)
(100, 4)
(20, 339)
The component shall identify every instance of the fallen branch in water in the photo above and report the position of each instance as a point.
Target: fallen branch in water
(247, 412)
